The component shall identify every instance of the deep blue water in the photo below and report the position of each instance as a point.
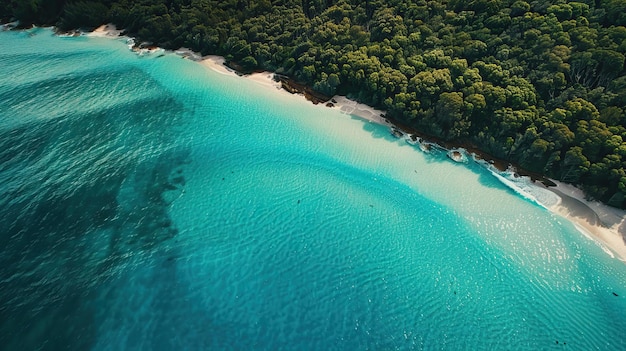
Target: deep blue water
(148, 203)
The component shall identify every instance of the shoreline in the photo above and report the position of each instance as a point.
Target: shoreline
(105, 31)
(604, 225)
(217, 64)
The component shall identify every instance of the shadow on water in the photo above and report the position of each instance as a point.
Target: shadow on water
(622, 230)
(379, 131)
(376, 130)
(438, 155)
(83, 193)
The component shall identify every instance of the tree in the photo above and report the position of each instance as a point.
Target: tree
(519, 8)
(449, 114)
(386, 25)
(87, 14)
(575, 164)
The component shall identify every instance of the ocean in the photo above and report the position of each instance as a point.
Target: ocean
(149, 203)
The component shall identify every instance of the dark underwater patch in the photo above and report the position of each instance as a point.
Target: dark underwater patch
(61, 179)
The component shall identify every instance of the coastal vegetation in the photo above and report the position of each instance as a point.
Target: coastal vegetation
(537, 83)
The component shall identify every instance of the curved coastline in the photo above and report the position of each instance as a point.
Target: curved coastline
(601, 223)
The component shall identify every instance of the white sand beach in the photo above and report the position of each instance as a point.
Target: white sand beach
(605, 224)
(352, 107)
(266, 79)
(216, 63)
(345, 105)
(599, 222)
(106, 30)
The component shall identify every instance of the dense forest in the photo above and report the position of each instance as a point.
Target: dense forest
(538, 83)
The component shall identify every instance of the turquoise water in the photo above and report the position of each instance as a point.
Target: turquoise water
(149, 203)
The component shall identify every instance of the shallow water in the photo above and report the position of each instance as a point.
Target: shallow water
(149, 203)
